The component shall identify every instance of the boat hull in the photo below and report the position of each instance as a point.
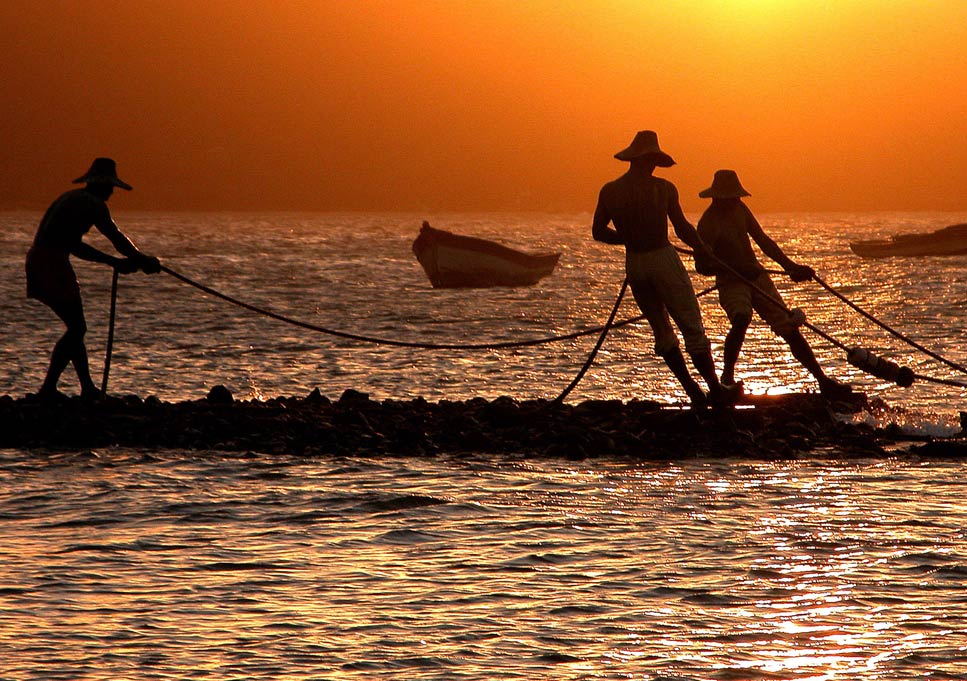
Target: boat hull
(950, 240)
(456, 261)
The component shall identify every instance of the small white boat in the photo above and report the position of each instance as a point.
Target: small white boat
(455, 261)
(950, 240)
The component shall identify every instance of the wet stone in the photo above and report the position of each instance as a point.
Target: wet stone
(219, 394)
(776, 427)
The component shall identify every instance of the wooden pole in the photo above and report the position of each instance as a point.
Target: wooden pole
(110, 333)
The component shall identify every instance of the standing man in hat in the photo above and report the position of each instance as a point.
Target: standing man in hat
(728, 228)
(51, 279)
(640, 206)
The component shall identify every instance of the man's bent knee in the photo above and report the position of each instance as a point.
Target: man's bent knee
(741, 319)
(695, 346)
(76, 331)
(666, 346)
(72, 314)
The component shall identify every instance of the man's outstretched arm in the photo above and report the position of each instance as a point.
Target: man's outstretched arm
(126, 247)
(683, 228)
(91, 254)
(771, 248)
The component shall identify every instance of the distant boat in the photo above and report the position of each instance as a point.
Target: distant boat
(950, 240)
(455, 261)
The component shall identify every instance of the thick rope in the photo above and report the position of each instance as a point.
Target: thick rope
(603, 330)
(842, 346)
(387, 341)
(597, 346)
(846, 348)
(889, 329)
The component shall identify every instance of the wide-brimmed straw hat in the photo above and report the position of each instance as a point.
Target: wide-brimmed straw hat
(725, 185)
(645, 143)
(102, 171)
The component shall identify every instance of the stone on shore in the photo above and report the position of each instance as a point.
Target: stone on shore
(771, 427)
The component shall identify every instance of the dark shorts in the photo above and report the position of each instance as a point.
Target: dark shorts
(50, 278)
(738, 297)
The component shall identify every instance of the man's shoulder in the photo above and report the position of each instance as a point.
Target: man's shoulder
(670, 189)
(78, 194)
(707, 219)
(95, 204)
(611, 185)
(723, 217)
(612, 190)
(627, 180)
(80, 198)
(79, 205)
(746, 211)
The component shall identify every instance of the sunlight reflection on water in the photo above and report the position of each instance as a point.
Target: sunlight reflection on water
(165, 564)
(357, 273)
(120, 564)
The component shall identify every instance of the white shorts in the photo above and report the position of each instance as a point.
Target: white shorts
(662, 288)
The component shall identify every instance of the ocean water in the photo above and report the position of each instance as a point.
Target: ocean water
(356, 273)
(122, 564)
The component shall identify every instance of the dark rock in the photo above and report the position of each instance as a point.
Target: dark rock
(351, 396)
(941, 449)
(316, 397)
(220, 395)
(773, 428)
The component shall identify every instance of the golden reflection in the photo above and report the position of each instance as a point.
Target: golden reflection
(815, 624)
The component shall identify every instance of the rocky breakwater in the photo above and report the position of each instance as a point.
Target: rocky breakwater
(774, 427)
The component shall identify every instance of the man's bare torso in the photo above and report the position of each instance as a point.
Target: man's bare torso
(638, 208)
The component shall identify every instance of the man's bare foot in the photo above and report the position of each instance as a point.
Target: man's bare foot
(724, 396)
(91, 394)
(834, 390)
(50, 395)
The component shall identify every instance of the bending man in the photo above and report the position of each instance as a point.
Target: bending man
(728, 228)
(51, 279)
(640, 206)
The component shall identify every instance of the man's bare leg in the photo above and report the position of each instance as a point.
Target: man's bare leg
(676, 362)
(70, 349)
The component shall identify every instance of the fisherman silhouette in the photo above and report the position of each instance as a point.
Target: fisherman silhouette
(51, 279)
(640, 206)
(727, 228)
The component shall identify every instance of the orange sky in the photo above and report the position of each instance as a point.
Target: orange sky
(435, 105)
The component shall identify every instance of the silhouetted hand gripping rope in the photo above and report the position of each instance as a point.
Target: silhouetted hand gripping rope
(860, 357)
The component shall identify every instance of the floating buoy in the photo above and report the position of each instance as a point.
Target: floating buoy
(861, 358)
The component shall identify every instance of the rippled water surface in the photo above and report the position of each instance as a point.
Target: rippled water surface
(198, 565)
(118, 564)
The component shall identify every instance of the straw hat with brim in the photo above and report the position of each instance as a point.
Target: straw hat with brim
(725, 185)
(645, 143)
(103, 171)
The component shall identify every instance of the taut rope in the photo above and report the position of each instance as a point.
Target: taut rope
(597, 346)
(889, 329)
(842, 346)
(388, 341)
(602, 330)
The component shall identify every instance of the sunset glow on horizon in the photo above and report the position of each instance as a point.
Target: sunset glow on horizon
(485, 105)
